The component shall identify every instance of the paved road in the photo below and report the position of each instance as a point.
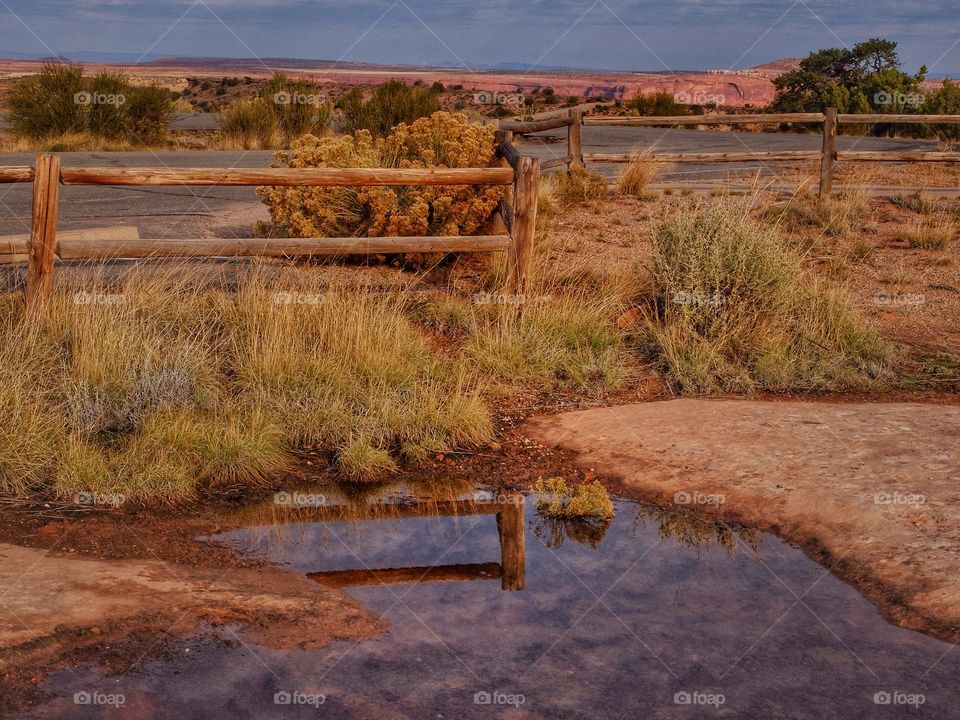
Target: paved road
(173, 212)
(181, 121)
(214, 211)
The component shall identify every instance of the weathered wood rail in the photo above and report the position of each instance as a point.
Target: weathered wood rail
(43, 246)
(828, 155)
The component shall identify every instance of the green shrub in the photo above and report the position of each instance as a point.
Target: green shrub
(249, 125)
(61, 100)
(44, 104)
(733, 310)
(658, 103)
(298, 106)
(392, 103)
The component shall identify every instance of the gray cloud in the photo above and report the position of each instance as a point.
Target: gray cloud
(621, 34)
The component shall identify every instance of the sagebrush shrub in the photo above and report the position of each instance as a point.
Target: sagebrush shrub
(61, 100)
(391, 103)
(733, 309)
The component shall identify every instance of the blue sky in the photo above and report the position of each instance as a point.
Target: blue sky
(615, 34)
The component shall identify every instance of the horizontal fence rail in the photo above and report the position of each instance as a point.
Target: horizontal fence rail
(785, 155)
(277, 247)
(535, 126)
(829, 156)
(755, 119)
(314, 177)
(903, 156)
(847, 119)
(44, 245)
(16, 174)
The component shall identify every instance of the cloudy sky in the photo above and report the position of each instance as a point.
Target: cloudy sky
(615, 34)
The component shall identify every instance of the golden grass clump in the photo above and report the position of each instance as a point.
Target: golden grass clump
(348, 372)
(731, 309)
(586, 501)
(834, 217)
(931, 234)
(152, 389)
(30, 424)
(637, 174)
(577, 186)
(441, 140)
(560, 339)
(249, 125)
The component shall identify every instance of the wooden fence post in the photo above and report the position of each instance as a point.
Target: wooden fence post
(43, 233)
(526, 189)
(574, 135)
(512, 545)
(829, 158)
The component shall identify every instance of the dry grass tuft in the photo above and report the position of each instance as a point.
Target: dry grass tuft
(577, 186)
(586, 501)
(930, 234)
(637, 174)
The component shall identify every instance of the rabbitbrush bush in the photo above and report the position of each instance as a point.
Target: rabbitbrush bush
(441, 140)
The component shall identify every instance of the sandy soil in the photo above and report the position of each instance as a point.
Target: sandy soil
(873, 490)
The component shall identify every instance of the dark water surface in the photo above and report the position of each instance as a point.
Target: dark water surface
(654, 616)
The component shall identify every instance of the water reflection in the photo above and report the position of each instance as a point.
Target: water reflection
(614, 621)
(552, 531)
(288, 515)
(508, 510)
(690, 531)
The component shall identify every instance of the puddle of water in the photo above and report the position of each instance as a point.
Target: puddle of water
(652, 615)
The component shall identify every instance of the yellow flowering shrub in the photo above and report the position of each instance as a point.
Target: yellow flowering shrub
(442, 140)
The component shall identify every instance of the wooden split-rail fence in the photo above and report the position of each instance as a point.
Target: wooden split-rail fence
(517, 216)
(828, 155)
